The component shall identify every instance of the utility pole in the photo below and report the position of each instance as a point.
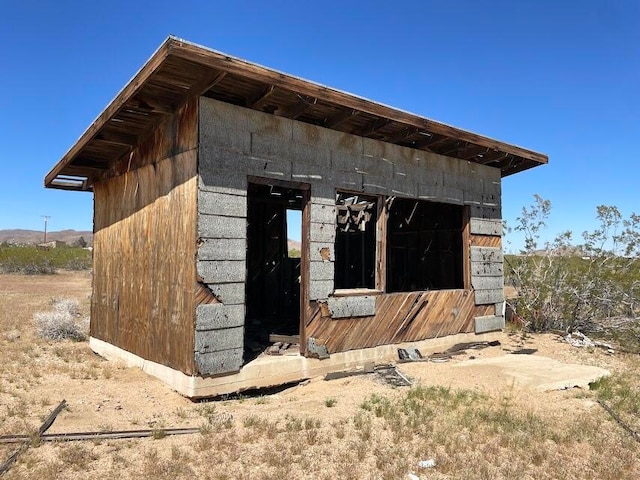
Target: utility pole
(46, 218)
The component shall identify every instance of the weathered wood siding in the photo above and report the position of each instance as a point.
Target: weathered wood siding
(145, 244)
(399, 317)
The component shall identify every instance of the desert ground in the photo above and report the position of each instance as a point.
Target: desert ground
(473, 425)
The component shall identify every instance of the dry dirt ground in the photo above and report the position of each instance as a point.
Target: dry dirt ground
(472, 426)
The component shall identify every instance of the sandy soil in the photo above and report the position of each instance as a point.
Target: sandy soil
(37, 374)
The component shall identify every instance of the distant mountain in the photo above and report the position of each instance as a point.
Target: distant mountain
(36, 236)
(293, 245)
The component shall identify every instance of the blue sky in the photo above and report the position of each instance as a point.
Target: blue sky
(556, 77)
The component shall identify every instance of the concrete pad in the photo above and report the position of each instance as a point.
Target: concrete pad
(534, 371)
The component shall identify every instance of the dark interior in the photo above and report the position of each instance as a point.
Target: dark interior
(424, 246)
(273, 283)
(355, 241)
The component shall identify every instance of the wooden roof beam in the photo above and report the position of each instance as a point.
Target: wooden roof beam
(373, 127)
(299, 108)
(117, 138)
(261, 97)
(206, 83)
(340, 118)
(402, 135)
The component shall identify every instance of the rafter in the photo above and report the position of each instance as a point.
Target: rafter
(261, 97)
(340, 117)
(373, 127)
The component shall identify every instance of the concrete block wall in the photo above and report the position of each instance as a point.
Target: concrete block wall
(236, 142)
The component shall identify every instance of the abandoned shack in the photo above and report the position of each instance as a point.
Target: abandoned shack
(196, 167)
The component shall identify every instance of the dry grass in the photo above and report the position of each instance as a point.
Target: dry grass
(355, 428)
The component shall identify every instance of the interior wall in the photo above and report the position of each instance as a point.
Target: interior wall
(144, 246)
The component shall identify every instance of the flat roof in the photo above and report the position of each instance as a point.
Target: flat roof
(180, 70)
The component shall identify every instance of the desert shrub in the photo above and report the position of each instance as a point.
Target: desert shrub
(562, 286)
(32, 260)
(64, 321)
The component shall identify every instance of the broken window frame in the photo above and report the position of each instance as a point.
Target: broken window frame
(381, 261)
(378, 283)
(461, 275)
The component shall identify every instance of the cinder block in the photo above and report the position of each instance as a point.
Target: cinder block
(321, 270)
(486, 254)
(462, 182)
(222, 271)
(217, 363)
(500, 309)
(213, 203)
(484, 212)
(323, 232)
(229, 293)
(269, 126)
(488, 297)
(472, 198)
(305, 155)
(224, 124)
(221, 181)
(308, 134)
(492, 187)
(322, 252)
(487, 283)
(375, 186)
(344, 307)
(222, 249)
(348, 162)
(404, 187)
(486, 269)
(485, 226)
(440, 194)
(302, 172)
(217, 316)
(489, 323)
(215, 226)
(349, 181)
(323, 213)
(320, 289)
(323, 193)
(218, 340)
(491, 200)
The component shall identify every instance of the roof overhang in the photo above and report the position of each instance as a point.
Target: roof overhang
(180, 70)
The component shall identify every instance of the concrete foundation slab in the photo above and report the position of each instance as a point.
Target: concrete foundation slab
(534, 371)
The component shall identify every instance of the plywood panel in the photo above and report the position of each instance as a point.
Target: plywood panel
(144, 249)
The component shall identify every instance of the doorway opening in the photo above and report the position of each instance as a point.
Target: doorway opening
(274, 233)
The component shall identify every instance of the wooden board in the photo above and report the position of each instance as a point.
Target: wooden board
(144, 249)
(400, 317)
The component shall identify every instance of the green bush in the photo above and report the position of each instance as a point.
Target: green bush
(32, 260)
(562, 286)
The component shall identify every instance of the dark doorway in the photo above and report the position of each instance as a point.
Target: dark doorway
(273, 275)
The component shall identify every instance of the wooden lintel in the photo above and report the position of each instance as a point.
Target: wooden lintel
(261, 97)
(339, 118)
(373, 127)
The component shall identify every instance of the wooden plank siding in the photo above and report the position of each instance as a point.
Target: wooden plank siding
(145, 245)
(400, 317)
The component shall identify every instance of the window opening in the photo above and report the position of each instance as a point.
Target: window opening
(355, 246)
(424, 246)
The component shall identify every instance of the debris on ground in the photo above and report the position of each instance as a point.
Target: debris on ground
(427, 463)
(388, 373)
(414, 355)
(580, 340)
(524, 351)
